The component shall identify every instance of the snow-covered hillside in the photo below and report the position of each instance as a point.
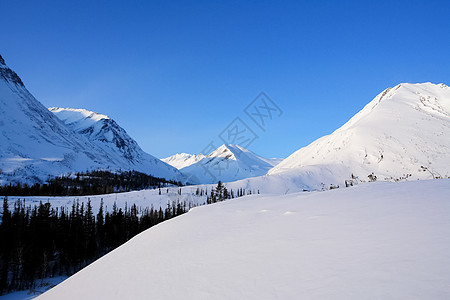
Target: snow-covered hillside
(36, 144)
(228, 163)
(404, 133)
(182, 160)
(113, 139)
(373, 241)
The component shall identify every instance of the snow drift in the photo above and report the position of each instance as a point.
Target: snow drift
(373, 241)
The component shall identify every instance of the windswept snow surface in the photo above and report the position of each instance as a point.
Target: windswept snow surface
(227, 163)
(404, 133)
(374, 241)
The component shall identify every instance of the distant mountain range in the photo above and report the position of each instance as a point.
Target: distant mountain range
(402, 134)
(226, 163)
(182, 160)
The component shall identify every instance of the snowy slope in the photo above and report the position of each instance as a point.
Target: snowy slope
(373, 241)
(182, 160)
(404, 133)
(105, 133)
(228, 163)
(34, 143)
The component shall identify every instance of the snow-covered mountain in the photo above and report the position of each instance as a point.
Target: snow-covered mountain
(404, 133)
(113, 139)
(228, 163)
(375, 241)
(35, 143)
(182, 160)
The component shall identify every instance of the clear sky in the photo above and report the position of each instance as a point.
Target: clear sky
(174, 74)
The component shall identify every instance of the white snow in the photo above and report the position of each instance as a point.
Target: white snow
(30, 134)
(124, 151)
(380, 240)
(43, 285)
(228, 163)
(36, 144)
(142, 199)
(403, 134)
(373, 241)
(76, 115)
(182, 160)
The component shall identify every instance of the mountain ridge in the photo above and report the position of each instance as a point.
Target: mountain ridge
(107, 134)
(402, 133)
(37, 144)
(228, 163)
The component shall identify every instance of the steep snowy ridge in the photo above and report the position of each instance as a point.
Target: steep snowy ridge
(404, 133)
(35, 143)
(108, 135)
(228, 163)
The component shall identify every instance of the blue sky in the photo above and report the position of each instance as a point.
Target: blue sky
(174, 74)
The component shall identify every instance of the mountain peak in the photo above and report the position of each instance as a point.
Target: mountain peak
(182, 160)
(105, 133)
(401, 134)
(225, 151)
(9, 75)
(228, 163)
(427, 97)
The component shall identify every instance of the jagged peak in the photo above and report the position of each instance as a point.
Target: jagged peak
(225, 151)
(9, 75)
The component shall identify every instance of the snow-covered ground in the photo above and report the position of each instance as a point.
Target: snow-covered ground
(143, 199)
(372, 241)
(42, 286)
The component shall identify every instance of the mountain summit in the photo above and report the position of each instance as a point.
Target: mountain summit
(105, 133)
(226, 163)
(34, 143)
(404, 133)
(182, 160)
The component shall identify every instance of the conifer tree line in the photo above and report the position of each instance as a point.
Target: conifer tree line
(221, 193)
(42, 241)
(89, 183)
